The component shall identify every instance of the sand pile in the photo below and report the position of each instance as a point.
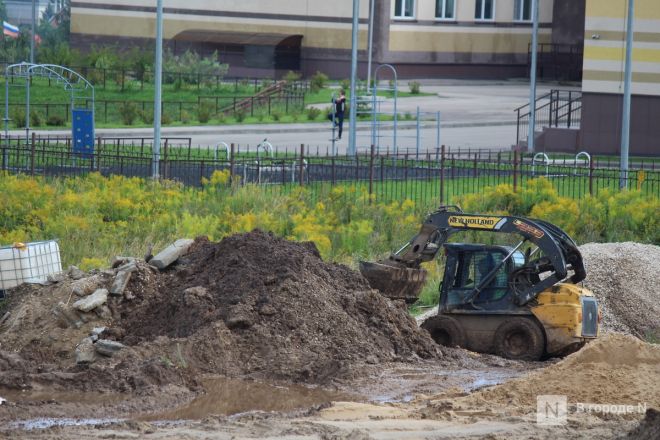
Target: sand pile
(624, 278)
(252, 305)
(614, 369)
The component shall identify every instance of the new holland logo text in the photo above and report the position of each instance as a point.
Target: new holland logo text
(463, 221)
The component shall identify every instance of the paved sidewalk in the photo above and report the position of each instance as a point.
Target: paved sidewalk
(477, 114)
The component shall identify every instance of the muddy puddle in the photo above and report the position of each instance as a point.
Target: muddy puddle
(48, 396)
(225, 396)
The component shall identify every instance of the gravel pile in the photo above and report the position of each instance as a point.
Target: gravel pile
(625, 279)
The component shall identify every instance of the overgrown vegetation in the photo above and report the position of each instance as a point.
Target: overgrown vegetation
(95, 217)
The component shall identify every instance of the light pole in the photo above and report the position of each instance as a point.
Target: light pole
(372, 7)
(627, 86)
(34, 30)
(532, 77)
(159, 85)
(352, 147)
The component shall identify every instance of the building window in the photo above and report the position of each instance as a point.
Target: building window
(484, 10)
(445, 9)
(522, 10)
(404, 8)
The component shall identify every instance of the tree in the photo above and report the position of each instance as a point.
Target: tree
(3, 10)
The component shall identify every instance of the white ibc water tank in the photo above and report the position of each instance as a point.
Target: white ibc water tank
(28, 263)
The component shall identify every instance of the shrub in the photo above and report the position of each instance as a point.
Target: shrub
(318, 81)
(414, 87)
(345, 84)
(313, 113)
(291, 76)
(165, 119)
(17, 115)
(35, 119)
(240, 115)
(146, 116)
(276, 115)
(185, 117)
(128, 112)
(55, 121)
(192, 68)
(204, 112)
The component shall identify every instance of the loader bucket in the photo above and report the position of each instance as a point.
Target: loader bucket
(393, 280)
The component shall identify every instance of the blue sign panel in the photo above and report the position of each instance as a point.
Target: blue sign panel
(83, 131)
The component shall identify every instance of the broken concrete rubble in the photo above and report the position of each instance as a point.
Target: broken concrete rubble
(85, 352)
(107, 347)
(66, 316)
(85, 286)
(119, 261)
(75, 273)
(56, 277)
(120, 282)
(89, 303)
(103, 312)
(171, 253)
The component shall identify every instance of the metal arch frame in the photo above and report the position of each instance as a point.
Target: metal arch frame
(73, 83)
(375, 127)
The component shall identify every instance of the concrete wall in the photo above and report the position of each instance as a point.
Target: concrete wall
(601, 124)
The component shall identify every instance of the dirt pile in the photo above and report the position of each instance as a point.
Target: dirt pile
(614, 369)
(648, 428)
(260, 305)
(252, 305)
(624, 278)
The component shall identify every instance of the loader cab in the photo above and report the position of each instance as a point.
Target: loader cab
(467, 265)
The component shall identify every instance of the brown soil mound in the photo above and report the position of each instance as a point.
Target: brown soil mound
(614, 369)
(252, 305)
(271, 307)
(624, 278)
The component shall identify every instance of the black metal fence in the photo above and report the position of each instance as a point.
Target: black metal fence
(437, 176)
(123, 79)
(116, 110)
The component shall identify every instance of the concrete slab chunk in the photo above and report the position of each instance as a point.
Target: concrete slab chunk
(171, 253)
(85, 286)
(120, 282)
(107, 347)
(85, 351)
(75, 273)
(89, 303)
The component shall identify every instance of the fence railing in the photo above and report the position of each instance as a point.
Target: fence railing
(108, 110)
(122, 79)
(436, 176)
(558, 108)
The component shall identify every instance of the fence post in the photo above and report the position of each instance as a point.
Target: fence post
(591, 177)
(371, 172)
(302, 164)
(231, 165)
(165, 158)
(98, 153)
(474, 166)
(515, 170)
(334, 171)
(442, 175)
(33, 146)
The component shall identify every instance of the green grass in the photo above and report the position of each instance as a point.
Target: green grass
(180, 104)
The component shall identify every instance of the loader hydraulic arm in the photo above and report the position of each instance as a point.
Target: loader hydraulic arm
(557, 247)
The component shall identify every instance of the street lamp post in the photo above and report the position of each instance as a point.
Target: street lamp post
(532, 77)
(352, 147)
(627, 91)
(155, 172)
